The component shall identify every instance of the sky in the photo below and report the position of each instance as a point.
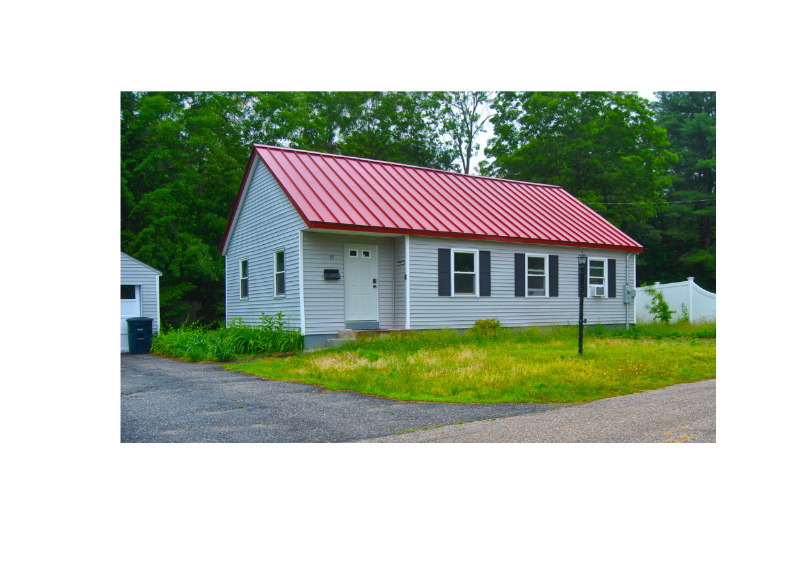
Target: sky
(485, 136)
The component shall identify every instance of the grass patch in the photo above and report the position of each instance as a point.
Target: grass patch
(496, 365)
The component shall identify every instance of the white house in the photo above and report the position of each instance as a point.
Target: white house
(138, 295)
(340, 243)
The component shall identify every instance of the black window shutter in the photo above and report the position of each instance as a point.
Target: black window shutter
(553, 273)
(485, 266)
(612, 278)
(444, 272)
(519, 274)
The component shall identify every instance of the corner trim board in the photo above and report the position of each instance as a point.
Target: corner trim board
(408, 284)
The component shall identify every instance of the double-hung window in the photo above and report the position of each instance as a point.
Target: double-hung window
(598, 273)
(243, 279)
(536, 275)
(280, 273)
(465, 268)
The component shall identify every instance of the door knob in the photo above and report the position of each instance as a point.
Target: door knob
(374, 281)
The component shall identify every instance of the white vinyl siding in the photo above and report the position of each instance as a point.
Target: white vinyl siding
(136, 273)
(267, 221)
(429, 310)
(324, 299)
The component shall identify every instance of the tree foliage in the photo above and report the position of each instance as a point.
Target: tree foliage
(603, 147)
(681, 241)
(461, 117)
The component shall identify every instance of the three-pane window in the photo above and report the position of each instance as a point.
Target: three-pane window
(280, 274)
(536, 275)
(243, 278)
(464, 269)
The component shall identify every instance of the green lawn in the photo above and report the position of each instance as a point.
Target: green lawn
(502, 366)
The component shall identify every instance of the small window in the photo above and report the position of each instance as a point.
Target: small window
(464, 269)
(128, 292)
(537, 275)
(243, 278)
(597, 277)
(280, 274)
(353, 253)
(365, 254)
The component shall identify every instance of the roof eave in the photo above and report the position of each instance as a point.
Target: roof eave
(402, 231)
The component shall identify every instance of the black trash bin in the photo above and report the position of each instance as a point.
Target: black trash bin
(140, 334)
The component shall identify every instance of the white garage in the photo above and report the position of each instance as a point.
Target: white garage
(138, 295)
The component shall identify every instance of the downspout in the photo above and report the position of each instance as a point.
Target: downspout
(300, 283)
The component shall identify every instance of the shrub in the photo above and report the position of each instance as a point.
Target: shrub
(486, 328)
(658, 307)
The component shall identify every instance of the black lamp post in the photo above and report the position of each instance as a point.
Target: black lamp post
(582, 258)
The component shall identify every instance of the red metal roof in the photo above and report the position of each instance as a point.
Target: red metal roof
(349, 193)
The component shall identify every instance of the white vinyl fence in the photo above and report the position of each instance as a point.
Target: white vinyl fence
(701, 304)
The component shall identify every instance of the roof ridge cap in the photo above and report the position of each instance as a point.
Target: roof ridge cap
(295, 150)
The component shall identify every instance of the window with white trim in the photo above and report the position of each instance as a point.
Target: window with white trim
(244, 276)
(536, 275)
(598, 274)
(464, 272)
(280, 273)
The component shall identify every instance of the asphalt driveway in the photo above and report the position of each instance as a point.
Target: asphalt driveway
(164, 400)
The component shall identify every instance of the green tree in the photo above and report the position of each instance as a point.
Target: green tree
(683, 241)
(603, 147)
(183, 155)
(461, 117)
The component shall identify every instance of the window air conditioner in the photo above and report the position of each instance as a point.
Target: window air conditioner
(597, 290)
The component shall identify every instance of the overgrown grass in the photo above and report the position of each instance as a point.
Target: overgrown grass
(490, 364)
(239, 340)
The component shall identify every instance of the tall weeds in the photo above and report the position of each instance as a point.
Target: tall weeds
(194, 342)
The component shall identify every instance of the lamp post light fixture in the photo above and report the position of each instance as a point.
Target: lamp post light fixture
(582, 259)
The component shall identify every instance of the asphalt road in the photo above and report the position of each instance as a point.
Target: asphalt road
(685, 413)
(164, 400)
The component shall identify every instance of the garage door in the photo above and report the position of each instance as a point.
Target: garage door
(130, 307)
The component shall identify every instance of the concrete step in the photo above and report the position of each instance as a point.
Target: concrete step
(338, 342)
(347, 334)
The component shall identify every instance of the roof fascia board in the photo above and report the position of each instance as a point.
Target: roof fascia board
(251, 167)
(143, 264)
(400, 231)
(245, 184)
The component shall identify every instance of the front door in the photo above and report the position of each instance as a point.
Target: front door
(361, 283)
(130, 307)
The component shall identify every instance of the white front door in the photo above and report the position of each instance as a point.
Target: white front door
(361, 283)
(131, 307)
